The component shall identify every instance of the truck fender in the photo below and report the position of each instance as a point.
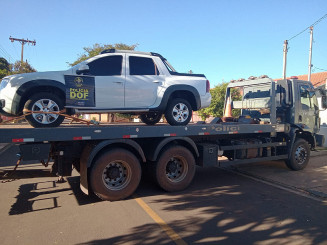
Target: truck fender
(189, 143)
(30, 86)
(91, 150)
(297, 132)
(180, 88)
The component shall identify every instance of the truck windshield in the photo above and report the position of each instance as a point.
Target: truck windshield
(255, 92)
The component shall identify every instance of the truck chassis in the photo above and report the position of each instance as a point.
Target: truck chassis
(111, 159)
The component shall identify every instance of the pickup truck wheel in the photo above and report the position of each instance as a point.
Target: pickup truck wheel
(299, 156)
(115, 175)
(151, 118)
(178, 112)
(175, 169)
(44, 102)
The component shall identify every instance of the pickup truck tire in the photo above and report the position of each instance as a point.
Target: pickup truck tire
(300, 155)
(178, 112)
(175, 169)
(151, 118)
(44, 102)
(115, 175)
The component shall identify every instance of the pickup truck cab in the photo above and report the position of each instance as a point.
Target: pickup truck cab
(123, 81)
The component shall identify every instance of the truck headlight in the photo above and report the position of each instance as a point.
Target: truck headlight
(4, 83)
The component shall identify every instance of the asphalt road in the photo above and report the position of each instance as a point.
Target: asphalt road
(222, 206)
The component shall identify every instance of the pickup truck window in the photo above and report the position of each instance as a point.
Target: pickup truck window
(106, 66)
(142, 66)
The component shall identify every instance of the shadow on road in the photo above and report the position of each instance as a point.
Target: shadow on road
(222, 208)
(31, 195)
(219, 207)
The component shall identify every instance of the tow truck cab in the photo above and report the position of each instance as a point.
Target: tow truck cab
(295, 102)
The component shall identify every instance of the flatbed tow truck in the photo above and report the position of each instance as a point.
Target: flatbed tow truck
(112, 158)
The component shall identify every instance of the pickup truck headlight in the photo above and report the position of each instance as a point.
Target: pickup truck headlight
(4, 83)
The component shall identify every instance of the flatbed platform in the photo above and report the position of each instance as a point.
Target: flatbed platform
(69, 132)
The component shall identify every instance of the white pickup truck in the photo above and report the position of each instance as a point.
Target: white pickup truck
(121, 81)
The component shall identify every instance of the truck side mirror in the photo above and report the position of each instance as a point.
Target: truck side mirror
(83, 69)
(324, 101)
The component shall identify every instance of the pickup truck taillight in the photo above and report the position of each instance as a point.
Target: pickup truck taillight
(208, 86)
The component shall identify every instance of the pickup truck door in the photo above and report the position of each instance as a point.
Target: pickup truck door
(109, 81)
(142, 81)
(308, 113)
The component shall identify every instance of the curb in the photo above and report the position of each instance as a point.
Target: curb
(321, 151)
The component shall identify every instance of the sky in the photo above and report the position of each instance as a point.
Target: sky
(224, 40)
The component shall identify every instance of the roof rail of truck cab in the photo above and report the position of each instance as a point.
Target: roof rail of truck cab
(112, 50)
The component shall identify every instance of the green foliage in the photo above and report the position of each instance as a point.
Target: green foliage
(216, 108)
(97, 48)
(20, 67)
(4, 64)
(3, 73)
(4, 68)
(7, 69)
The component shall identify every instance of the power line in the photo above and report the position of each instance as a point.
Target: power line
(315, 23)
(319, 68)
(8, 56)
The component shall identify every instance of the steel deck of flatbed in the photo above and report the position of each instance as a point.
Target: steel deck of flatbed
(20, 134)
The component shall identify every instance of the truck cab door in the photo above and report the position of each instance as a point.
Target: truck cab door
(109, 78)
(142, 81)
(308, 110)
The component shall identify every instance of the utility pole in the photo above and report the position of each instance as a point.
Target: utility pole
(310, 53)
(22, 41)
(284, 58)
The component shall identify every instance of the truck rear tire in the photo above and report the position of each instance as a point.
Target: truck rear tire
(175, 169)
(115, 175)
(300, 155)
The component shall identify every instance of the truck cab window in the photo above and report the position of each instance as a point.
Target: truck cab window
(305, 97)
(106, 66)
(314, 101)
(142, 66)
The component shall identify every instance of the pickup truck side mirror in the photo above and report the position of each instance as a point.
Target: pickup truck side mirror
(324, 101)
(82, 69)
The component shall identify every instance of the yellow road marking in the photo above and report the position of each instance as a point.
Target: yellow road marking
(169, 231)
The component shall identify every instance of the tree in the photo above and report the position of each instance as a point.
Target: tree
(7, 69)
(97, 48)
(20, 67)
(4, 68)
(216, 107)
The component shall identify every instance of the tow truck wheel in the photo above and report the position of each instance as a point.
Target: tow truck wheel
(115, 175)
(175, 169)
(44, 102)
(178, 112)
(151, 118)
(299, 156)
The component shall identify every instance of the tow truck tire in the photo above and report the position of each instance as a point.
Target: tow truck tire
(178, 112)
(300, 155)
(115, 175)
(175, 169)
(47, 102)
(151, 118)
